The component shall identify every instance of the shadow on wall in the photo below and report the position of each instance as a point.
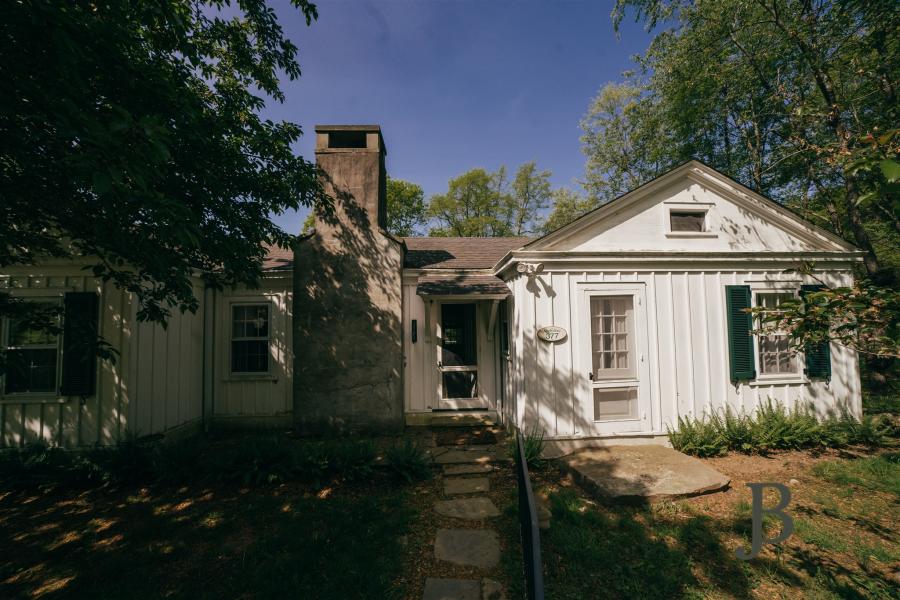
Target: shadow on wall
(554, 401)
(347, 307)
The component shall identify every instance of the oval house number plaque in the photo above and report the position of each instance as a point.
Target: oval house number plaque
(551, 333)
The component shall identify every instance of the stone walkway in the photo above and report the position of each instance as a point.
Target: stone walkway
(466, 477)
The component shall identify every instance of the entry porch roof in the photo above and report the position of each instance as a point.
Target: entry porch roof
(461, 284)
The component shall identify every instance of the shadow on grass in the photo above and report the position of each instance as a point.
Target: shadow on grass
(203, 542)
(633, 552)
(666, 551)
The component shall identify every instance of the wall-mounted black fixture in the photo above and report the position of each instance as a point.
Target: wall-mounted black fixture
(415, 331)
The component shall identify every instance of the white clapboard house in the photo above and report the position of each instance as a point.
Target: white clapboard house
(612, 326)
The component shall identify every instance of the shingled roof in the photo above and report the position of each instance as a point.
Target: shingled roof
(277, 258)
(430, 252)
(458, 284)
(458, 252)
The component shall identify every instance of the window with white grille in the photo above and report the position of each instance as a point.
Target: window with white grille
(775, 355)
(612, 337)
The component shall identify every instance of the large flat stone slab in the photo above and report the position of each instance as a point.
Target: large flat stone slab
(474, 509)
(442, 456)
(466, 485)
(451, 589)
(468, 469)
(468, 547)
(646, 473)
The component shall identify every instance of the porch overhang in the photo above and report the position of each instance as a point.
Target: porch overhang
(461, 286)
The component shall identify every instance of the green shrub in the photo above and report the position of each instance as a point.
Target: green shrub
(697, 437)
(250, 460)
(350, 459)
(408, 461)
(533, 442)
(735, 430)
(774, 427)
(259, 460)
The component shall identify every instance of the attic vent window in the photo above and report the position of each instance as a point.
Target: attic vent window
(347, 139)
(687, 221)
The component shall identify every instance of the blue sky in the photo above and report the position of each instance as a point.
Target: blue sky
(456, 84)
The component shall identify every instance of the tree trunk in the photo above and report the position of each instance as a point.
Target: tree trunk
(860, 235)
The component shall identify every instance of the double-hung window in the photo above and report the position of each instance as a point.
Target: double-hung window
(775, 354)
(250, 338)
(32, 357)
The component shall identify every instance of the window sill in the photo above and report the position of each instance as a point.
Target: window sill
(786, 380)
(33, 399)
(692, 234)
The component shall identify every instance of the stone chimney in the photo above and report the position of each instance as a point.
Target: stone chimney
(347, 300)
(352, 158)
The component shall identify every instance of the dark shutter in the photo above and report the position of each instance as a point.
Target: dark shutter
(79, 372)
(740, 327)
(818, 356)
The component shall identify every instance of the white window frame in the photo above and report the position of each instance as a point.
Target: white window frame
(696, 207)
(268, 339)
(41, 298)
(792, 377)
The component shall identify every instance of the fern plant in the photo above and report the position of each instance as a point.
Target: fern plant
(408, 461)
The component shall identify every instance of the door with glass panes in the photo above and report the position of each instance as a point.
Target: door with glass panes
(614, 360)
(458, 357)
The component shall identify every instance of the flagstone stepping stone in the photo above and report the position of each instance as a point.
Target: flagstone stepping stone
(492, 590)
(468, 469)
(451, 589)
(643, 473)
(466, 485)
(468, 547)
(455, 456)
(467, 508)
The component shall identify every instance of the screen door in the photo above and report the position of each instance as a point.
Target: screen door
(458, 357)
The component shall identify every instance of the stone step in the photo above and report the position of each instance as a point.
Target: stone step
(455, 456)
(473, 509)
(468, 469)
(473, 418)
(467, 547)
(466, 485)
(437, 588)
(451, 589)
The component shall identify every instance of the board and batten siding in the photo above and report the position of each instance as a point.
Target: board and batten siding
(153, 387)
(266, 396)
(687, 349)
(420, 380)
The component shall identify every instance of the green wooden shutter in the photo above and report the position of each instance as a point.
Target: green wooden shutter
(818, 356)
(740, 338)
(79, 372)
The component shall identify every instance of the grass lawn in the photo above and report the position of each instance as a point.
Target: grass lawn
(338, 540)
(845, 507)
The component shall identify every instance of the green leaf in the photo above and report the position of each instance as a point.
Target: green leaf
(890, 169)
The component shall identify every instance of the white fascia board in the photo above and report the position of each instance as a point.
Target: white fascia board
(648, 261)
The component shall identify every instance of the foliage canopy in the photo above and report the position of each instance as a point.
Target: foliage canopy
(130, 132)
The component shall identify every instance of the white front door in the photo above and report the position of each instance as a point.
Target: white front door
(615, 391)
